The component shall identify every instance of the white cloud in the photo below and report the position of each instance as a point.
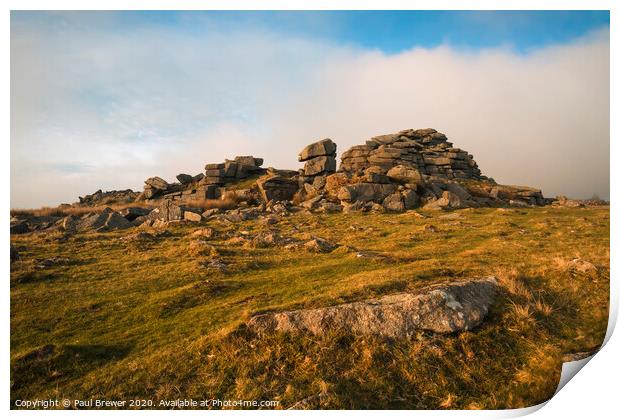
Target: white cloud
(106, 110)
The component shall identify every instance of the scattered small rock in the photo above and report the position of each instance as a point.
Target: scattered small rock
(581, 265)
(431, 229)
(42, 263)
(319, 245)
(199, 247)
(206, 233)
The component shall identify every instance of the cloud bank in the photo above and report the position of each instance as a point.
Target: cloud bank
(106, 109)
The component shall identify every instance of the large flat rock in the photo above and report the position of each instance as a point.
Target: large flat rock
(458, 306)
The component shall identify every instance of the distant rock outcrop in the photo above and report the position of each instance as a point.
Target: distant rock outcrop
(109, 197)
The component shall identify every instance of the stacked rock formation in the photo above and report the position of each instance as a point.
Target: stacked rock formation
(240, 167)
(426, 150)
(319, 158)
(202, 186)
(189, 188)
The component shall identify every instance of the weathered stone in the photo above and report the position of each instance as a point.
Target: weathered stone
(216, 180)
(319, 182)
(405, 175)
(205, 233)
(219, 172)
(199, 247)
(157, 183)
(249, 161)
(459, 306)
(185, 179)
(319, 245)
(210, 212)
(192, 216)
(515, 192)
(211, 166)
(312, 203)
(277, 188)
(448, 200)
(70, 223)
(324, 147)
(353, 207)
(230, 169)
(377, 178)
(116, 221)
(582, 266)
(328, 207)
(411, 200)
(131, 213)
(394, 202)
(461, 192)
(109, 197)
(108, 219)
(334, 182)
(167, 211)
(365, 192)
(319, 165)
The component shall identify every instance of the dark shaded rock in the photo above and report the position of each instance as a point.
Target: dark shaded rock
(19, 227)
(14, 254)
(185, 178)
(411, 200)
(132, 213)
(277, 188)
(394, 202)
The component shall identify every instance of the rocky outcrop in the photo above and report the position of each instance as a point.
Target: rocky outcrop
(109, 197)
(426, 150)
(107, 220)
(391, 172)
(319, 158)
(459, 306)
(204, 186)
(239, 168)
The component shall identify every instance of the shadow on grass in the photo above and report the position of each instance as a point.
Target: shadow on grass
(54, 364)
(196, 295)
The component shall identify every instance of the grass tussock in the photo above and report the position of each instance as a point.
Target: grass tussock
(231, 202)
(158, 323)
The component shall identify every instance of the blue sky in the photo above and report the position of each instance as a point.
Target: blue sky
(108, 99)
(388, 31)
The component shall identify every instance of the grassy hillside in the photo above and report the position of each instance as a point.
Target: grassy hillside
(148, 317)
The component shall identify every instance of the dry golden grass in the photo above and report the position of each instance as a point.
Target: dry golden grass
(230, 202)
(153, 323)
(63, 211)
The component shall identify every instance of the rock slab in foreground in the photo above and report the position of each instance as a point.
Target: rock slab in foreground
(455, 307)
